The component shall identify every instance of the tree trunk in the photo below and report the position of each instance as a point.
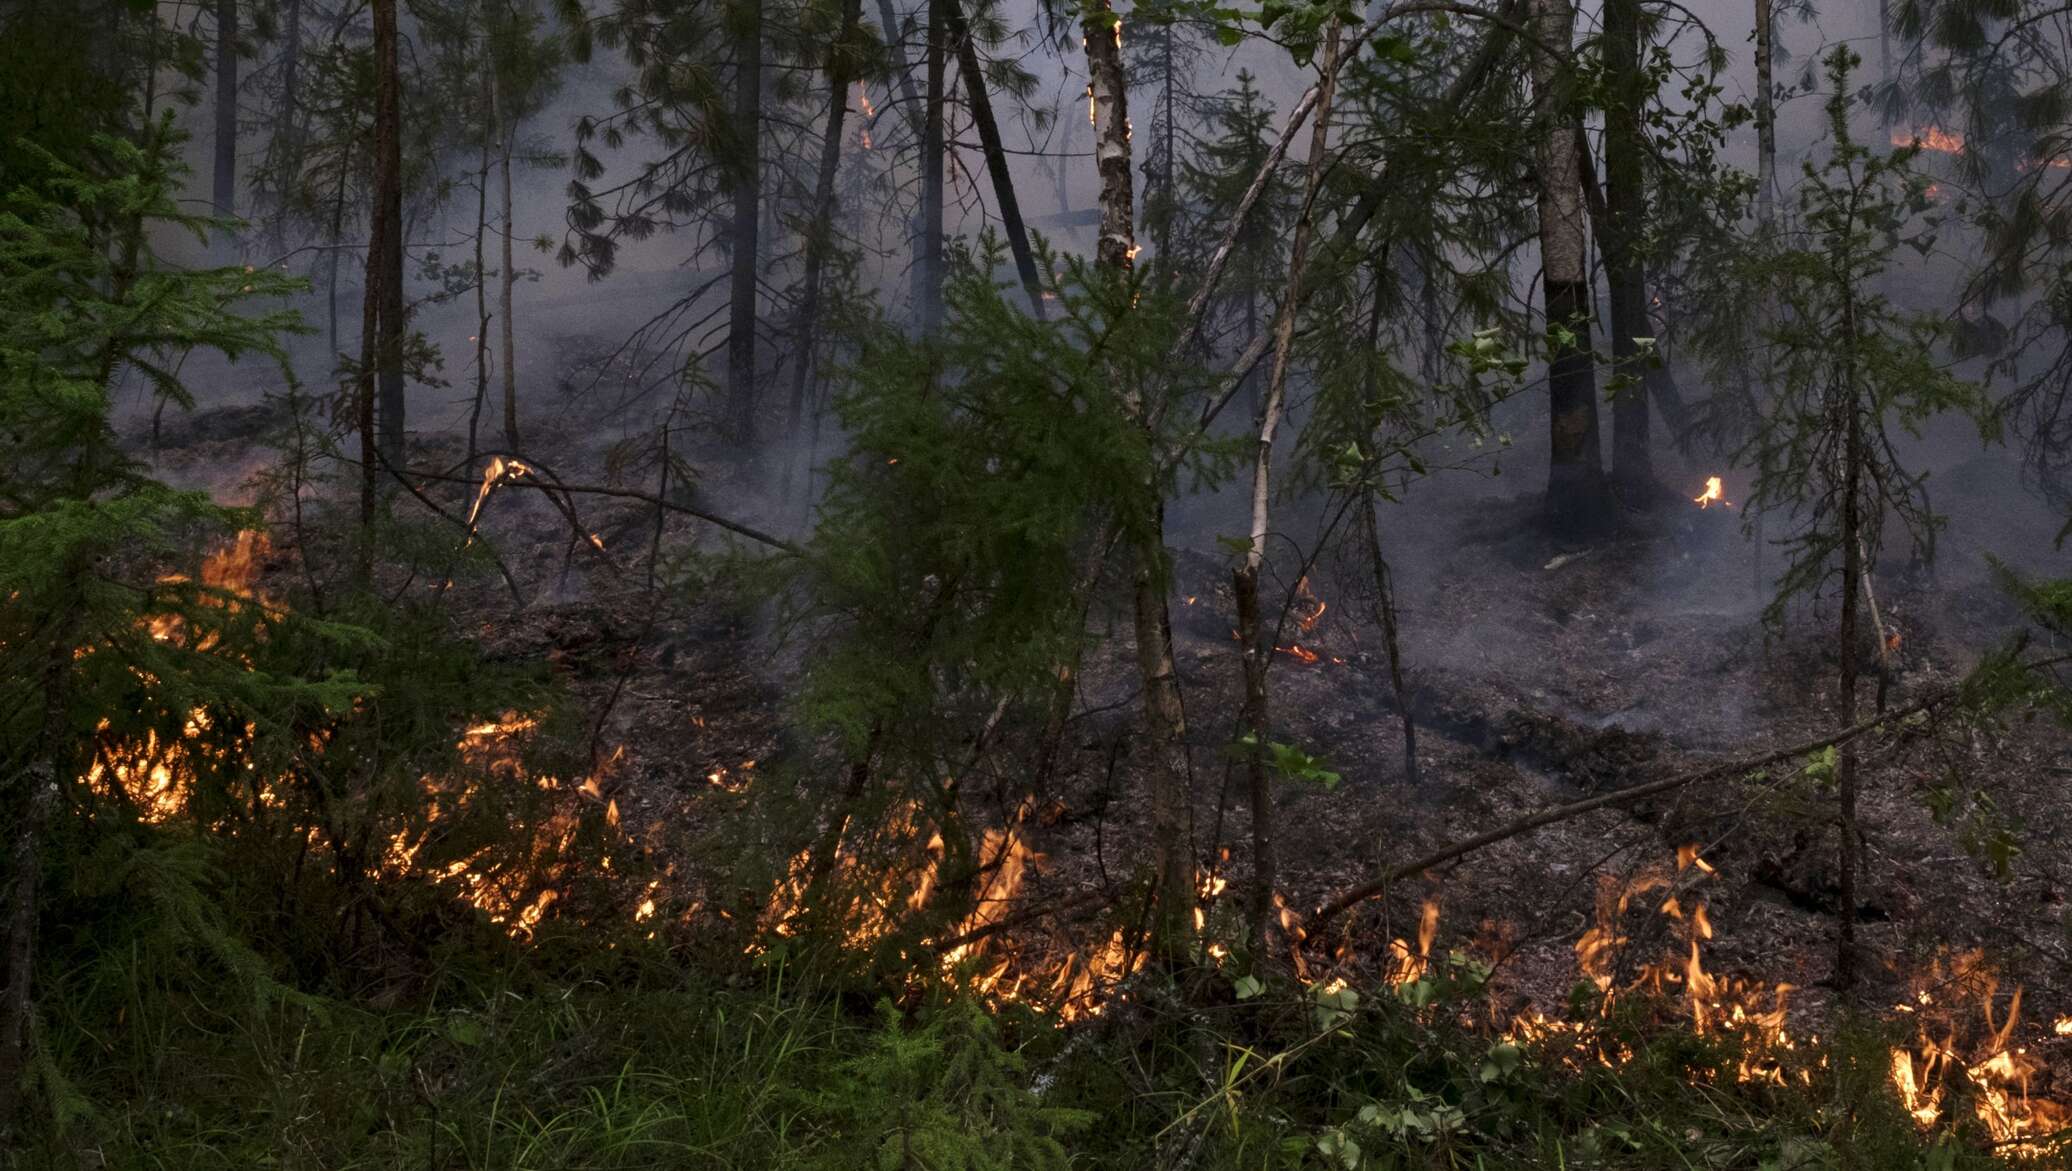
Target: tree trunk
(928, 272)
(481, 255)
(1853, 570)
(508, 276)
(747, 227)
(226, 108)
(902, 69)
(820, 232)
(1577, 502)
(1765, 113)
(1370, 517)
(996, 154)
(388, 210)
(1256, 643)
(1633, 469)
(1172, 934)
(288, 130)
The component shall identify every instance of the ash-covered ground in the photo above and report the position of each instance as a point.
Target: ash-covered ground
(1537, 674)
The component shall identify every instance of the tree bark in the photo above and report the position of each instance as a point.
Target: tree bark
(288, 130)
(508, 277)
(928, 262)
(387, 259)
(226, 108)
(981, 101)
(1256, 643)
(488, 142)
(1765, 113)
(747, 226)
(1172, 935)
(1578, 504)
(1853, 571)
(1633, 469)
(820, 232)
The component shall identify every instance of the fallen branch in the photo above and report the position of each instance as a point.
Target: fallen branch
(1527, 824)
(517, 599)
(1069, 906)
(751, 533)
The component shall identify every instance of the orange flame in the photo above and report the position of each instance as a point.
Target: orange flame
(1713, 494)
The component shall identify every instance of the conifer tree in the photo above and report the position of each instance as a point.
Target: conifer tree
(83, 300)
(1848, 367)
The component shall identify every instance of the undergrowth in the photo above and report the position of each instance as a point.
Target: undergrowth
(581, 1050)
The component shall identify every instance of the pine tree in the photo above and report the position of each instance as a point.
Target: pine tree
(1848, 365)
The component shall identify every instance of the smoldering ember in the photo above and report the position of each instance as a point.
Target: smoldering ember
(1020, 584)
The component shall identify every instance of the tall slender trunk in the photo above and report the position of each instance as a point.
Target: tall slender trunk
(928, 272)
(507, 131)
(1163, 242)
(1765, 113)
(1255, 641)
(287, 144)
(1370, 519)
(487, 143)
(226, 108)
(981, 101)
(388, 209)
(1853, 571)
(1164, 717)
(746, 239)
(1633, 468)
(1765, 200)
(820, 232)
(902, 69)
(1577, 502)
(336, 240)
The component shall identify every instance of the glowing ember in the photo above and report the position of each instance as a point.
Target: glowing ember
(1713, 494)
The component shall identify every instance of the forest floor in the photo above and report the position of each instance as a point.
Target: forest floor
(1537, 675)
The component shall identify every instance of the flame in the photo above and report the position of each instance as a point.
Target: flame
(1712, 495)
(1933, 138)
(1406, 966)
(496, 472)
(870, 114)
(1998, 1073)
(1308, 621)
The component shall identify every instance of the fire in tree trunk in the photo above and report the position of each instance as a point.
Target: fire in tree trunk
(1165, 722)
(226, 108)
(747, 228)
(996, 154)
(1578, 503)
(385, 253)
(1257, 646)
(1633, 469)
(928, 265)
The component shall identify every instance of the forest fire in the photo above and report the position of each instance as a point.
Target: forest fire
(1933, 138)
(1937, 1074)
(1714, 493)
(870, 115)
(495, 473)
